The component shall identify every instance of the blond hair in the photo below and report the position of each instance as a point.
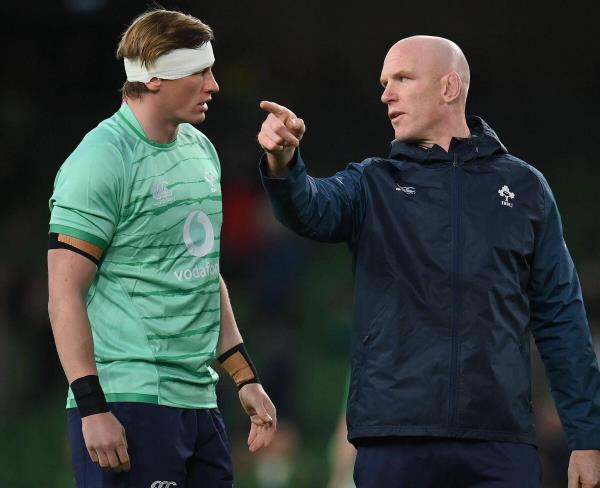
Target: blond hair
(155, 33)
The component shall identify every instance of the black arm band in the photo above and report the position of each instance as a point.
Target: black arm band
(89, 395)
(85, 249)
(238, 364)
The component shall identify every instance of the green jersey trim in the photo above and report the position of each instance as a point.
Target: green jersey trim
(122, 397)
(135, 397)
(143, 137)
(79, 234)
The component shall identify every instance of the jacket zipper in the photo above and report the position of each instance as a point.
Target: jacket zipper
(455, 283)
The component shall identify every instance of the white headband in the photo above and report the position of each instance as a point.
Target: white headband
(173, 65)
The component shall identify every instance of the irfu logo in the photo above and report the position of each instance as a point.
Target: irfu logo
(211, 180)
(506, 194)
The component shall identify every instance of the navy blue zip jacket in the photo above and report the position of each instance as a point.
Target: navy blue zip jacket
(457, 257)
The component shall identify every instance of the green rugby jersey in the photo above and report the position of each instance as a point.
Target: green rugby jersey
(154, 305)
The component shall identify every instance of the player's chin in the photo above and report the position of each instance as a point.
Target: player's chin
(196, 117)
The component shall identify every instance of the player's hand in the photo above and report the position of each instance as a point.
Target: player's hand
(584, 469)
(280, 135)
(105, 440)
(263, 418)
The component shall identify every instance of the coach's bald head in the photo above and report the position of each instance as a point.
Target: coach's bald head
(426, 82)
(437, 55)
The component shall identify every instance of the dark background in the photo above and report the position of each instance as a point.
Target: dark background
(534, 80)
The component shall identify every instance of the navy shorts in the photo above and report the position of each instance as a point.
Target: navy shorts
(174, 447)
(448, 463)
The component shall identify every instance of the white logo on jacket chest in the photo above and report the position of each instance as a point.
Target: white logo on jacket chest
(505, 193)
(408, 190)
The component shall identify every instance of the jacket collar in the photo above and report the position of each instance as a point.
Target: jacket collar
(483, 143)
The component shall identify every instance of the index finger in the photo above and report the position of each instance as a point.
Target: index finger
(277, 110)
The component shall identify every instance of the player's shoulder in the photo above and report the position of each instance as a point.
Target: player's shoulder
(100, 151)
(190, 134)
(197, 140)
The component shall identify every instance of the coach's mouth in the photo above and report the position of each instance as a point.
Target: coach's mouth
(395, 114)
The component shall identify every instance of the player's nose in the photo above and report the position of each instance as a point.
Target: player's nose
(210, 83)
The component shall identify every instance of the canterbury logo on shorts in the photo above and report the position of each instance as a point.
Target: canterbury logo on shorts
(163, 484)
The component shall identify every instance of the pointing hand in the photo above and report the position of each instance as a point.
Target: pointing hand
(280, 135)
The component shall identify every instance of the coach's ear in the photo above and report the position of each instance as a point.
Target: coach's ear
(154, 84)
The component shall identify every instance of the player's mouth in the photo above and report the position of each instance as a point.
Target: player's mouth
(204, 105)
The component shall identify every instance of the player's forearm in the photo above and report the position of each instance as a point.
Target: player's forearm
(229, 335)
(231, 351)
(69, 278)
(72, 335)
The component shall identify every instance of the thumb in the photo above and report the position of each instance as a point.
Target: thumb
(263, 414)
(296, 126)
(292, 123)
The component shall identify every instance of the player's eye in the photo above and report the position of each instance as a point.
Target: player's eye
(200, 73)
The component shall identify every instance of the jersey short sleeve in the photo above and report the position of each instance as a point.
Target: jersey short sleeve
(87, 193)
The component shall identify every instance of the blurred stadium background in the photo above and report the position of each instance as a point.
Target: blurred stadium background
(534, 79)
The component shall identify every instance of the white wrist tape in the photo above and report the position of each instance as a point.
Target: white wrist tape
(171, 66)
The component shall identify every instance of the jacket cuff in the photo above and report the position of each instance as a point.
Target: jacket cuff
(584, 440)
(296, 168)
(286, 193)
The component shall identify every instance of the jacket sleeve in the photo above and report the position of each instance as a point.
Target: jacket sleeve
(561, 332)
(322, 209)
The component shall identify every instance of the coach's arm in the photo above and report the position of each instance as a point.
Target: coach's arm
(322, 209)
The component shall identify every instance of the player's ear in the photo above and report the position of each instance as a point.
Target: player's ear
(154, 84)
